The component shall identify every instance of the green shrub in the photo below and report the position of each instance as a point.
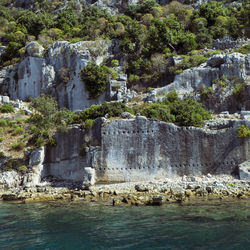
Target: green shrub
(47, 117)
(95, 79)
(114, 63)
(22, 168)
(3, 123)
(157, 111)
(51, 142)
(2, 155)
(18, 131)
(113, 109)
(40, 142)
(6, 108)
(205, 93)
(14, 125)
(11, 164)
(244, 49)
(33, 129)
(18, 146)
(220, 82)
(187, 62)
(243, 131)
(189, 112)
(239, 90)
(88, 124)
(1, 139)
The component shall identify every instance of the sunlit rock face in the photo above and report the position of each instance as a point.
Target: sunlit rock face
(141, 149)
(58, 72)
(190, 80)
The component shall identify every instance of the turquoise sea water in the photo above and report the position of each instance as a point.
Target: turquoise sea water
(92, 226)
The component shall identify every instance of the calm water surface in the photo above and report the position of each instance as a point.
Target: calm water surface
(81, 226)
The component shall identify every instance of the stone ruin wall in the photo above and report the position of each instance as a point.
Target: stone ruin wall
(143, 149)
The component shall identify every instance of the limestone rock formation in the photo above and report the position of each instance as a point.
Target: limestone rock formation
(36, 172)
(112, 6)
(141, 149)
(58, 73)
(227, 42)
(10, 179)
(190, 80)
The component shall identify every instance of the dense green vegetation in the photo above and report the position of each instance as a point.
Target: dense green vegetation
(46, 119)
(185, 112)
(243, 131)
(112, 109)
(149, 33)
(95, 79)
(6, 108)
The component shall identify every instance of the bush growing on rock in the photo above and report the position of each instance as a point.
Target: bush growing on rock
(23, 168)
(2, 155)
(243, 131)
(244, 49)
(95, 79)
(88, 124)
(188, 62)
(18, 146)
(239, 90)
(157, 111)
(113, 109)
(6, 108)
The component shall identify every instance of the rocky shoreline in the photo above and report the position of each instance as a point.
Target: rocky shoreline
(182, 190)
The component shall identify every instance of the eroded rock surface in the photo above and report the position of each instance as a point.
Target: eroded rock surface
(190, 80)
(141, 149)
(58, 72)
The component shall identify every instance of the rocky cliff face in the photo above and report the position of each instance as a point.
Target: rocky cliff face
(142, 149)
(57, 72)
(190, 80)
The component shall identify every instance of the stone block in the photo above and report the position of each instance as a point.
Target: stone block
(244, 170)
(5, 99)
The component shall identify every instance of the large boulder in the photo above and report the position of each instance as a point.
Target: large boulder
(36, 172)
(89, 176)
(36, 157)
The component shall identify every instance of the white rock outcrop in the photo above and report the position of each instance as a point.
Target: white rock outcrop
(190, 80)
(10, 179)
(35, 174)
(58, 73)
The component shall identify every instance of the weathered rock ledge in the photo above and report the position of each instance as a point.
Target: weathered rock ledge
(182, 190)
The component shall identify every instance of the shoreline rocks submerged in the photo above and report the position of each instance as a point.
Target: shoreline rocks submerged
(179, 190)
